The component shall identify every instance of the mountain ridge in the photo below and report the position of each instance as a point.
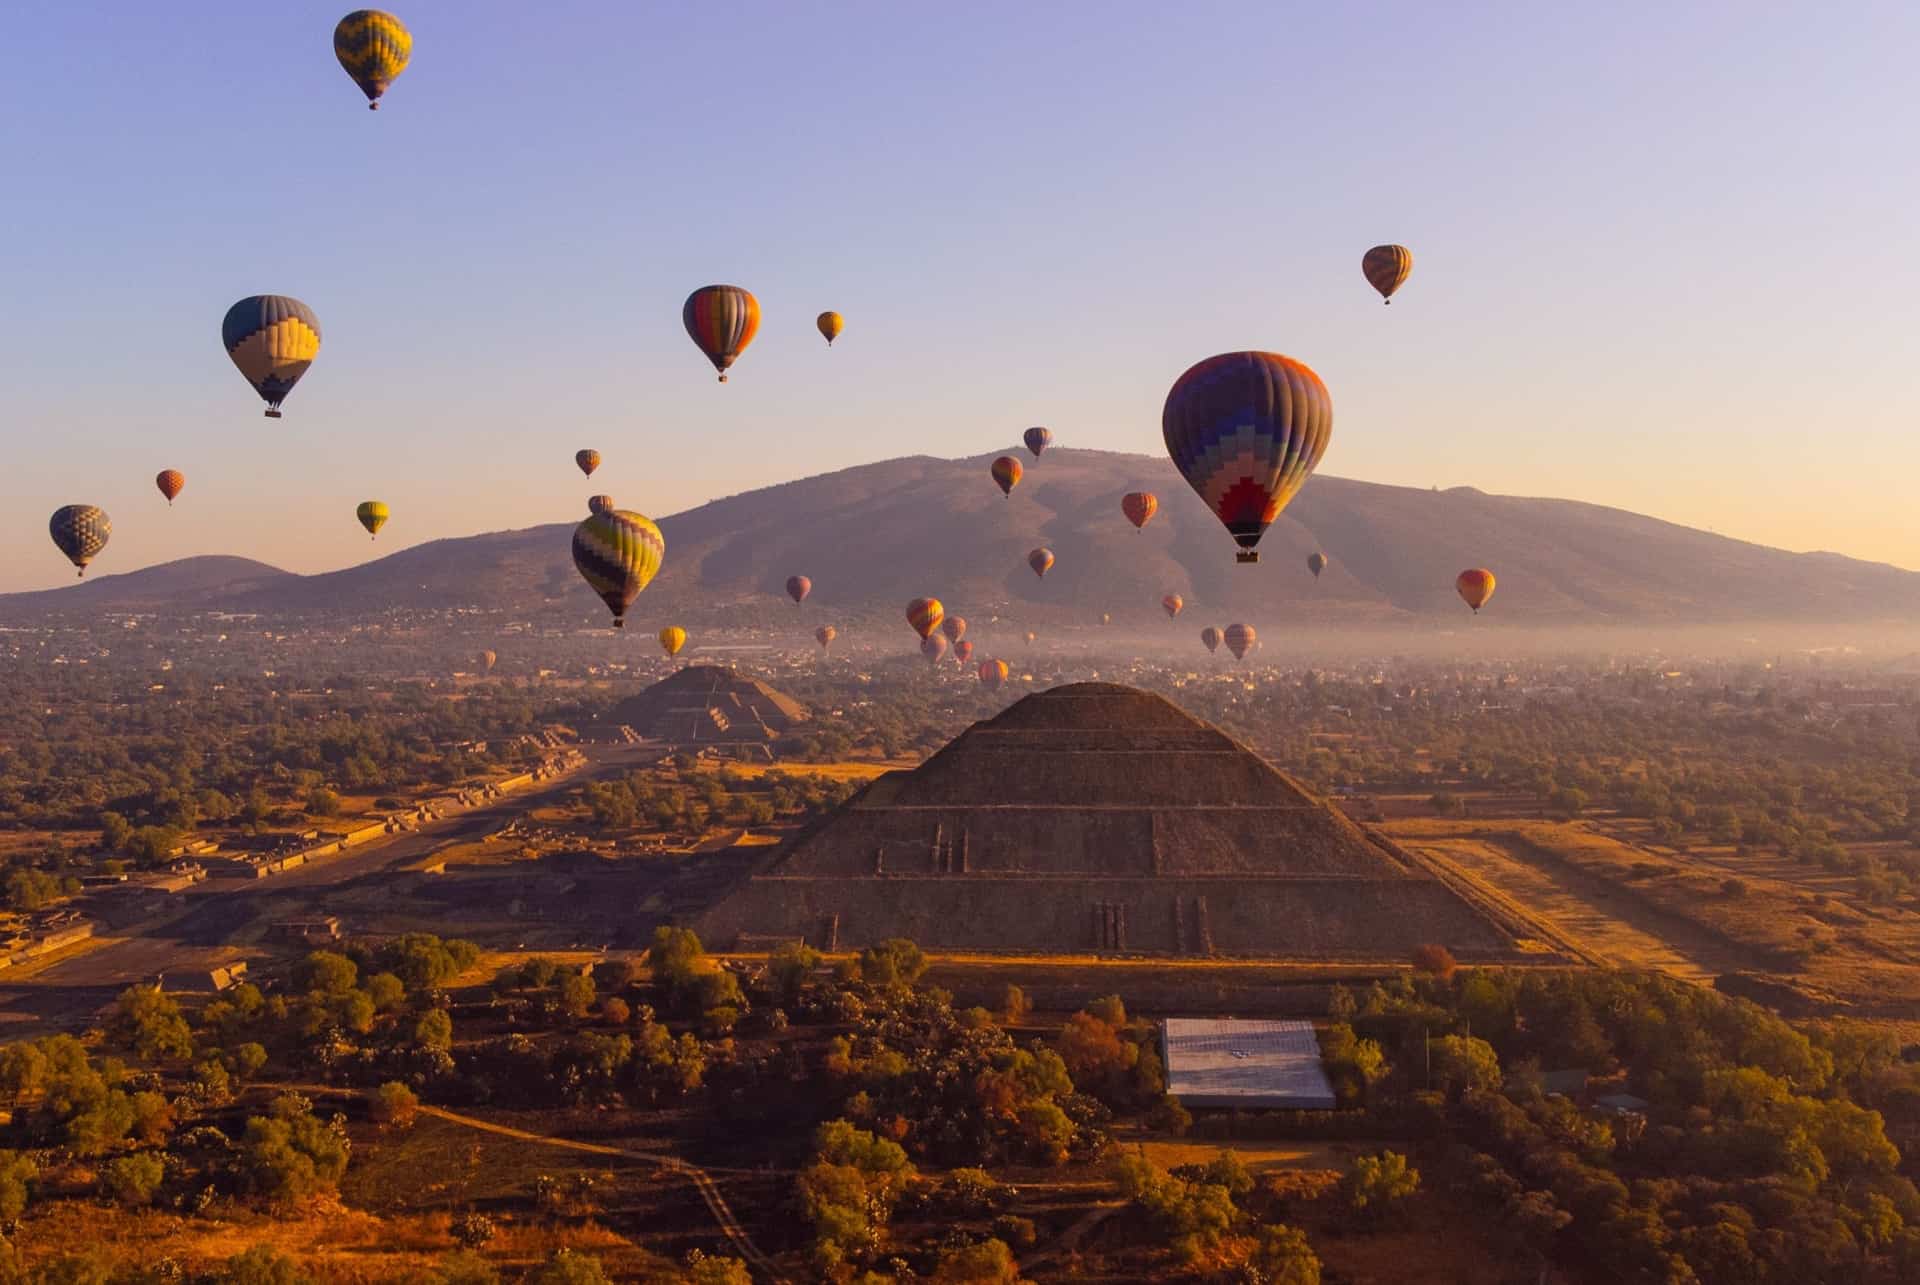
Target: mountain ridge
(873, 536)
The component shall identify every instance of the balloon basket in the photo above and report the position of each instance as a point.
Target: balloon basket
(272, 413)
(1247, 555)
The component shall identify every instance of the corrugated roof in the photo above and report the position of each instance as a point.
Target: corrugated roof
(1229, 1062)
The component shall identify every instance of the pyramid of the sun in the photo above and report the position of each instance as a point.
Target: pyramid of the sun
(1099, 818)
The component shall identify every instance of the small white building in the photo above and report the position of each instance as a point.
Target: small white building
(1226, 1062)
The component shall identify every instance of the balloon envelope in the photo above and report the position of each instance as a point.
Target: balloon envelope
(954, 627)
(617, 553)
(1037, 440)
(963, 652)
(925, 615)
(80, 531)
(1475, 586)
(798, 587)
(599, 503)
(1316, 563)
(934, 648)
(488, 659)
(1139, 506)
(721, 321)
(1172, 604)
(272, 339)
(830, 324)
(1040, 560)
(1239, 640)
(1246, 430)
(1006, 473)
(1386, 268)
(1211, 637)
(170, 481)
(672, 639)
(373, 48)
(373, 515)
(587, 460)
(993, 673)
(826, 634)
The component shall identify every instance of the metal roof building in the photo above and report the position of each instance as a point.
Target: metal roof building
(1230, 1063)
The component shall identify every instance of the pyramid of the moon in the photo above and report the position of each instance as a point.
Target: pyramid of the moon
(706, 704)
(1100, 818)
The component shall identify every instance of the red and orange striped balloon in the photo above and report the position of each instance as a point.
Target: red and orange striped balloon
(925, 615)
(1475, 586)
(170, 481)
(1006, 473)
(721, 321)
(1139, 506)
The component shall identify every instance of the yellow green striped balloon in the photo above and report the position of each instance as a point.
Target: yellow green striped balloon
(617, 553)
(374, 49)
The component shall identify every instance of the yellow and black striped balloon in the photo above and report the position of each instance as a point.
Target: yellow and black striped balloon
(617, 553)
(374, 47)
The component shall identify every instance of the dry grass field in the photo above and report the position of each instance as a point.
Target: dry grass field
(1642, 906)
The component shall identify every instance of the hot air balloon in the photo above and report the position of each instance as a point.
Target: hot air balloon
(925, 615)
(170, 481)
(1246, 429)
(1172, 604)
(1239, 640)
(672, 639)
(954, 627)
(599, 503)
(588, 461)
(1139, 506)
(272, 338)
(826, 634)
(1386, 268)
(1106, 617)
(934, 648)
(1316, 563)
(1040, 560)
(488, 659)
(1037, 440)
(721, 321)
(963, 652)
(373, 515)
(374, 49)
(829, 324)
(798, 587)
(80, 531)
(617, 553)
(1006, 473)
(992, 674)
(1211, 638)
(1032, 637)
(1475, 586)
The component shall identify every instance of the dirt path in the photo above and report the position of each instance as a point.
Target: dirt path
(716, 1203)
(1604, 921)
(1065, 1242)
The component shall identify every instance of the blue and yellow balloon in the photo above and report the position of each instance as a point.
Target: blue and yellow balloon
(373, 47)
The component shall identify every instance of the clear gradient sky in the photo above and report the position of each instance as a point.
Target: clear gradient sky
(1665, 254)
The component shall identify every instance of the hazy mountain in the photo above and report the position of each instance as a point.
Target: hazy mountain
(875, 536)
(189, 582)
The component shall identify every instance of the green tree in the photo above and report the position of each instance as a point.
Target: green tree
(434, 1030)
(576, 994)
(323, 802)
(291, 1155)
(149, 1021)
(568, 1267)
(676, 956)
(896, 961)
(263, 1265)
(1462, 1062)
(985, 1262)
(1282, 1256)
(115, 830)
(395, 1104)
(133, 1179)
(790, 968)
(23, 1070)
(1374, 1186)
(17, 1175)
(326, 971)
(386, 991)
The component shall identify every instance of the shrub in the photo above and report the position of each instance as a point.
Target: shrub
(569, 1268)
(395, 1104)
(473, 1230)
(1016, 1231)
(1282, 1256)
(17, 1174)
(616, 1011)
(262, 1265)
